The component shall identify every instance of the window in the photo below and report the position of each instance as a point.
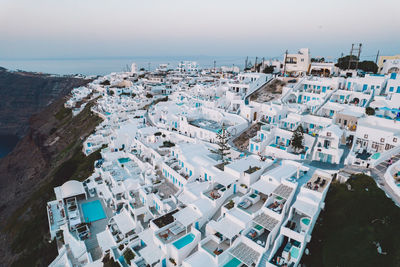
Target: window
(340, 120)
(365, 136)
(345, 122)
(382, 140)
(328, 134)
(395, 140)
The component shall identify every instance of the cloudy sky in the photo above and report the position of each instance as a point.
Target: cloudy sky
(118, 28)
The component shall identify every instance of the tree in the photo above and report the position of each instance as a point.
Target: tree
(367, 66)
(369, 111)
(269, 69)
(297, 139)
(223, 149)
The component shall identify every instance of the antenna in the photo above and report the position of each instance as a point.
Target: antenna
(354, 49)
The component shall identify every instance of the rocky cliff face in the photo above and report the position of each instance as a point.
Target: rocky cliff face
(49, 154)
(23, 94)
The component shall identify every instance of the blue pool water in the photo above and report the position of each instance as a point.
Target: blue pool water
(306, 221)
(124, 160)
(294, 252)
(233, 263)
(187, 239)
(93, 211)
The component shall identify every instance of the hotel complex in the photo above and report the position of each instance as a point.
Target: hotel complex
(162, 195)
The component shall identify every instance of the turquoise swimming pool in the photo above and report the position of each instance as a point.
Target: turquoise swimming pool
(93, 211)
(294, 252)
(187, 239)
(233, 263)
(124, 160)
(306, 221)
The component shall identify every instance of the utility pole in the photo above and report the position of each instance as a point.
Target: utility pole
(377, 57)
(262, 64)
(245, 63)
(255, 65)
(358, 57)
(214, 66)
(284, 65)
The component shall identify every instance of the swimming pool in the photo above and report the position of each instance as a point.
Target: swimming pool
(124, 160)
(306, 221)
(187, 239)
(233, 263)
(294, 252)
(93, 211)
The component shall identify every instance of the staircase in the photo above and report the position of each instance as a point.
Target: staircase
(263, 260)
(309, 156)
(325, 100)
(294, 88)
(257, 85)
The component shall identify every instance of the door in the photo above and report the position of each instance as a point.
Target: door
(255, 116)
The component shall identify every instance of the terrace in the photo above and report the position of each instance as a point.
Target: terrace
(165, 190)
(216, 192)
(135, 202)
(175, 231)
(288, 253)
(245, 254)
(165, 219)
(299, 222)
(252, 203)
(317, 183)
(262, 226)
(215, 248)
(206, 124)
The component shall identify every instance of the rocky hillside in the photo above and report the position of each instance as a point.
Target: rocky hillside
(23, 94)
(48, 155)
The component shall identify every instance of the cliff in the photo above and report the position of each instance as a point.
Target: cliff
(23, 94)
(47, 156)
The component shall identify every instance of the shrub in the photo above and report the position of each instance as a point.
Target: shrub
(369, 111)
(129, 255)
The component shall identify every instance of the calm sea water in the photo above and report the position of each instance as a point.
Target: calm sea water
(7, 144)
(104, 66)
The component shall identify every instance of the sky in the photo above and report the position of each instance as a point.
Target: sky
(46, 29)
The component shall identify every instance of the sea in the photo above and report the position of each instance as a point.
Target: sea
(103, 66)
(7, 144)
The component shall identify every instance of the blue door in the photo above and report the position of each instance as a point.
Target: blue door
(234, 188)
(329, 159)
(164, 262)
(196, 225)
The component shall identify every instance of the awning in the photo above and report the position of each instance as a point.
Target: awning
(186, 216)
(151, 254)
(224, 179)
(226, 227)
(125, 222)
(263, 187)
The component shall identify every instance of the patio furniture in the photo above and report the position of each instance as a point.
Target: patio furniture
(245, 203)
(318, 180)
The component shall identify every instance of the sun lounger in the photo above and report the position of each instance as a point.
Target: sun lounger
(245, 203)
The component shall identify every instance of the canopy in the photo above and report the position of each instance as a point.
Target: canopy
(72, 188)
(125, 222)
(187, 216)
(226, 227)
